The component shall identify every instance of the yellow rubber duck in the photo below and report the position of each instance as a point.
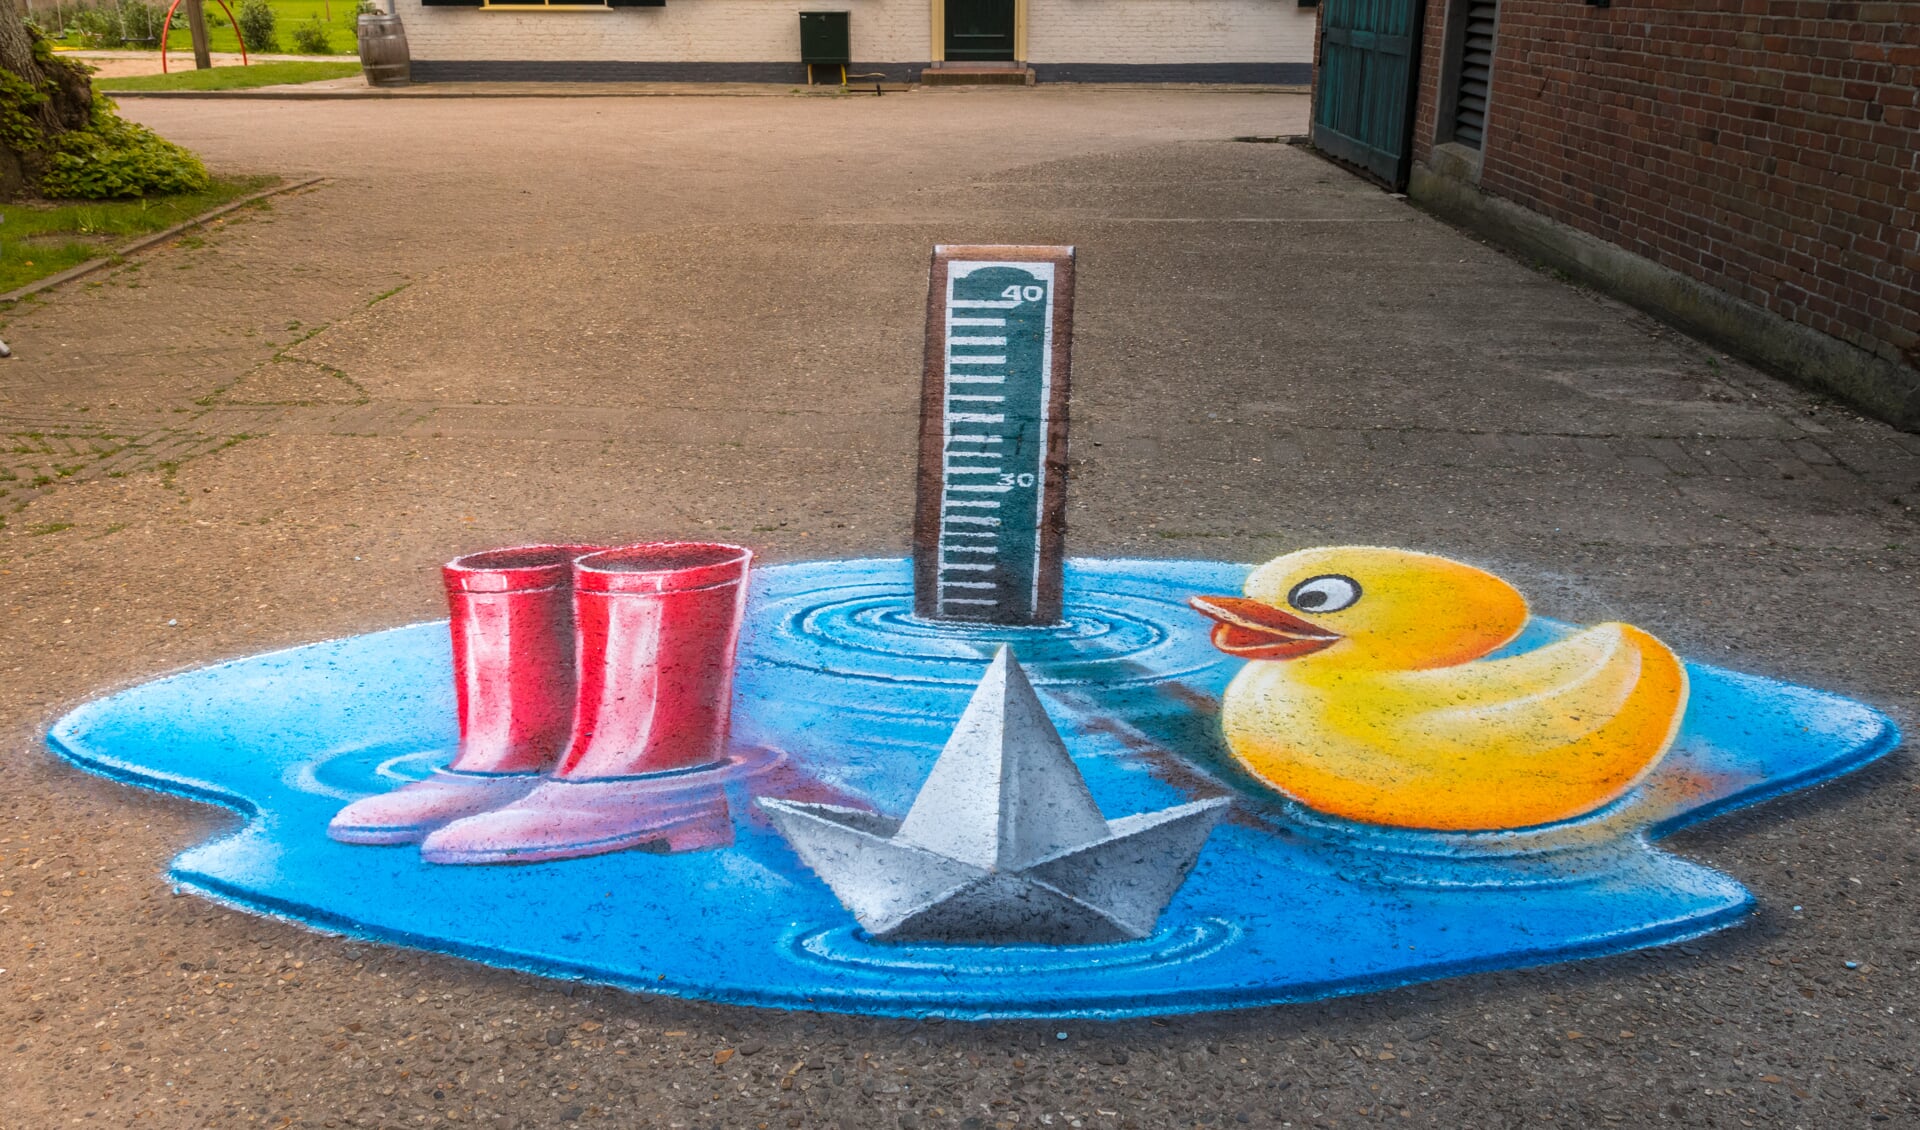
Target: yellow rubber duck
(1368, 696)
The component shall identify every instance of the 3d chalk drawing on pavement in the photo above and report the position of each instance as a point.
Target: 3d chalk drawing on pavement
(986, 781)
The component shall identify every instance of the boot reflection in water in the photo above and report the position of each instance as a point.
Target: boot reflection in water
(657, 626)
(513, 656)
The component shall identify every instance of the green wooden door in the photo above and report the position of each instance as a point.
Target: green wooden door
(1363, 105)
(979, 30)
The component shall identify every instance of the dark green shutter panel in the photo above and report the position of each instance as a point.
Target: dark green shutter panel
(825, 38)
(636, 3)
(451, 3)
(1476, 72)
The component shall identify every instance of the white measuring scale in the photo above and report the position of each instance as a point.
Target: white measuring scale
(991, 520)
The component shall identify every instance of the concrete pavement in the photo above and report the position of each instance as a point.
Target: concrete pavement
(611, 319)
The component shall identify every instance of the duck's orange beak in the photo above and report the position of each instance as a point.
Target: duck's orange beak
(1252, 629)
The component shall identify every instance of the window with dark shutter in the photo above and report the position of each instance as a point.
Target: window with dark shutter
(1475, 68)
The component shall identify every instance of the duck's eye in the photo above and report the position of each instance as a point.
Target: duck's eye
(1328, 593)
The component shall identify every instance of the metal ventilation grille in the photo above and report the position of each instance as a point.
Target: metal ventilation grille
(1476, 72)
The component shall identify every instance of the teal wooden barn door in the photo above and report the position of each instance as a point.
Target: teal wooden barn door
(1363, 104)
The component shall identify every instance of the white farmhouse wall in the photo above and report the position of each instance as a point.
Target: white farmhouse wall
(883, 31)
(1169, 31)
(724, 31)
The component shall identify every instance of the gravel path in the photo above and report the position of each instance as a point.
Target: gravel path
(611, 319)
(125, 64)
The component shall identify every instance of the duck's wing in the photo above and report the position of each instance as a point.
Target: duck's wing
(1546, 698)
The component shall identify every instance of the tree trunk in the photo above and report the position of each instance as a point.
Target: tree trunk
(197, 31)
(69, 103)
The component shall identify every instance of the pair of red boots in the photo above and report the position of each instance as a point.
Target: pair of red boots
(594, 685)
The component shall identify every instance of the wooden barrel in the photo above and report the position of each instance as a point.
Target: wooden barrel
(383, 50)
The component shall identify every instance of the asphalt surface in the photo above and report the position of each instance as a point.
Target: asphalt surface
(609, 320)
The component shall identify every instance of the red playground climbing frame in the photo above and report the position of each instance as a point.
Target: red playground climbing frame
(167, 23)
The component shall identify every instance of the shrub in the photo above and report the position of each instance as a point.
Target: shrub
(115, 157)
(65, 141)
(257, 26)
(310, 38)
(108, 25)
(140, 23)
(98, 27)
(56, 20)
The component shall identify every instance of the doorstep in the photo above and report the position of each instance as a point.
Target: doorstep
(977, 74)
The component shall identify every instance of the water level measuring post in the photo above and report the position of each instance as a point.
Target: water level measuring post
(991, 516)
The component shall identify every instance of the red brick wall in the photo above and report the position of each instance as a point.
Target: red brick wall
(1433, 38)
(1770, 148)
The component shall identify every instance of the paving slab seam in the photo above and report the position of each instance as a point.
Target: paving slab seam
(107, 454)
(1691, 455)
(1690, 451)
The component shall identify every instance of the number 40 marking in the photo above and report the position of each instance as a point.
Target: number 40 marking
(1026, 293)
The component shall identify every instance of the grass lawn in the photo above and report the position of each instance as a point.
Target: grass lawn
(37, 240)
(337, 15)
(235, 77)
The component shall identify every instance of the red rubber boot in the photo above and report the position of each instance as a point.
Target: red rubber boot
(657, 627)
(513, 658)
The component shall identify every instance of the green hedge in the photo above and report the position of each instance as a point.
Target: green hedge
(117, 157)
